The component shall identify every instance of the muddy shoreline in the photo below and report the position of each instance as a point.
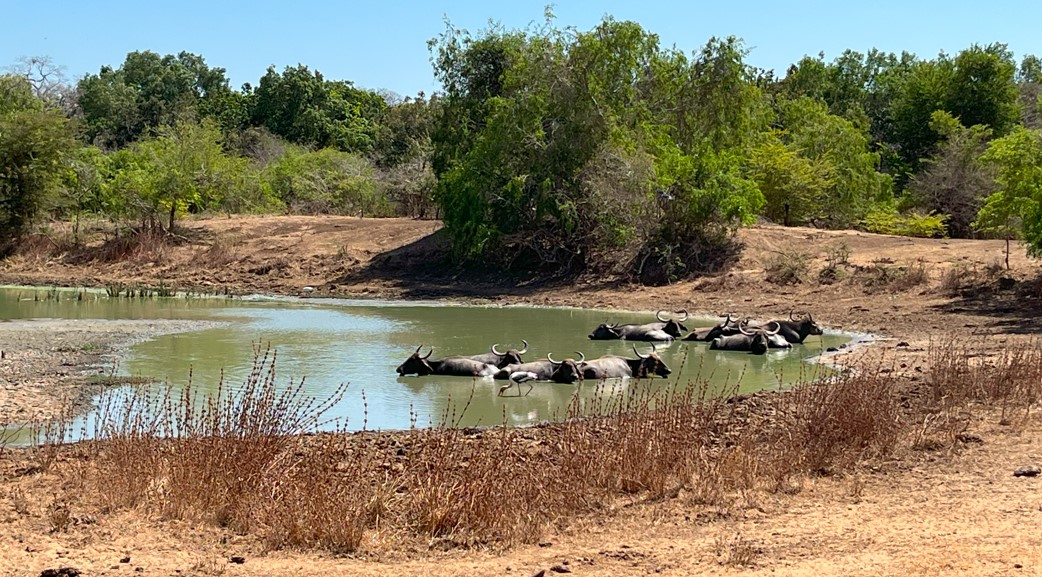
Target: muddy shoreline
(56, 367)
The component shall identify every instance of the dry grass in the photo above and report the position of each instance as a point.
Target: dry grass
(969, 277)
(246, 461)
(787, 267)
(883, 275)
(223, 251)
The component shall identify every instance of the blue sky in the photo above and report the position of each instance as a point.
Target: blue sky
(383, 45)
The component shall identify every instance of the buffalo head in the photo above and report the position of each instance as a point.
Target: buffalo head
(805, 325)
(650, 364)
(511, 356)
(605, 332)
(567, 371)
(416, 364)
(760, 336)
(673, 327)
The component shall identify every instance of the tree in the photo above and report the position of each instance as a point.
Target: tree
(953, 181)
(977, 87)
(34, 141)
(826, 167)
(1016, 208)
(149, 91)
(326, 181)
(184, 169)
(304, 108)
(82, 184)
(46, 79)
(560, 148)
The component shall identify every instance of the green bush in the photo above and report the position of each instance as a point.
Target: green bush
(883, 218)
(326, 181)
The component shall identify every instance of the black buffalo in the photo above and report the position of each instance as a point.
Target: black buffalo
(796, 330)
(614, 366)
(664, 330)
(728, 326)
(755, 340)
(567, 371)
(455, 366)
(494, 357)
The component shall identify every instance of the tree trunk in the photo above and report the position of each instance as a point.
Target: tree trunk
(173, 209)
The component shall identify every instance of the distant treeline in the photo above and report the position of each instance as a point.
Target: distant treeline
(547, 149)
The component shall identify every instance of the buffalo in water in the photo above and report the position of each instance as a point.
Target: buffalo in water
(666, 329)
(613, 366)
(755, 340)
(454, 366)
(567, 371)
(796, 330)
(728, 326)
(494, 357)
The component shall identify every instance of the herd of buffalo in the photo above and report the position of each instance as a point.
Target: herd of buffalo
(728, 335)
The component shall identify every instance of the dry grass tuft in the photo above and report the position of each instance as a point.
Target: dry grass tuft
(885, 276)
(223, 251)
(969, 279)
(788, 267)
(138, 246)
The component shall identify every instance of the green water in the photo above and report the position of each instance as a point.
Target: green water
(328, 342)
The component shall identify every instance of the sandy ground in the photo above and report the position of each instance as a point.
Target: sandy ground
(929, 513)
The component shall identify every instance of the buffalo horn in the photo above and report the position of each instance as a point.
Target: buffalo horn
(683, 318)
(777, 327)
(494, 351)
(428, 354)
(658, 316)
(582, 357)
(550, 358)
(741, 327)
(636, 352)
(524, 350)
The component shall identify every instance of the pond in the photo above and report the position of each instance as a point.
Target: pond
(327, 342)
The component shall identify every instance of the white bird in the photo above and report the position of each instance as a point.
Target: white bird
(518, 377)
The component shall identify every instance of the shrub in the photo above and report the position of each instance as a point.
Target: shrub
(788, 267)
(885, 219)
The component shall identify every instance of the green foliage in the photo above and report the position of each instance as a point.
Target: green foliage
(34, 142)
(183, 169)
(884, 218)
(976, 87)
(148, 91)
(326, 181)
(304, 108)
(1015, 208)
(564, 147)
(817, 168)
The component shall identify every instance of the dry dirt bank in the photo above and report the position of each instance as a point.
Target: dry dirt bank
(928, 513)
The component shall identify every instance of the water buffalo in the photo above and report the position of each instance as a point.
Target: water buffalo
(665, 330)
(728, 327)
(455, 366)
(796, 330)
(567, 371)
(755, 340)
(613, 366)
(494, 357)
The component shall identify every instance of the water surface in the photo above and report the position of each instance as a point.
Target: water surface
(326, 342)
